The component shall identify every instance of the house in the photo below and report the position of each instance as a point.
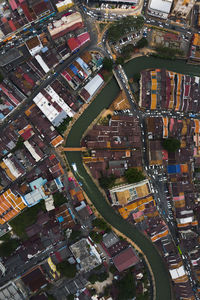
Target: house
(11, 206)
(125, 194)
(91, 88)
(34, 45)
(11, 291)
(86, 255)
(34, 279)
(66, 24)
(125, 259)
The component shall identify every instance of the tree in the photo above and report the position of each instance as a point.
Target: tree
(142, 43)
(124, 26)
(171, 144)
(168, 53)
(1, 78)
(8, 247)
(127, 50)
(113, 269)
(70, 297)
(119, 60)
(26, 218)
(107, 64)
(101, 224)
(63, 126)
(51, 297)
(96, 237)
(66, 269)
(107, 182)
(126, 287)
(133, 175)
(75, 234)
(136, 77)
(19, 145)
(59, 199)
(98, 277)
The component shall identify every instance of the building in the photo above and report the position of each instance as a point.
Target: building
(34, 279)
(125, 259)
(163, 89)
(86, 255)
(10, 206)
(52, 106)
(37, 192)
(160, 8)
(131, 2)
(11, 291)
(125, 194)
(12, 167)
(66, 24)
(182, 8)
(75, 43)
(91, 88)
(63, 5)
(34, 45)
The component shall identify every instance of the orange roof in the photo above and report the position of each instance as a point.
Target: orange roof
(28, 111)
(7, 170)
(184, 168)
(159, 235)
(57, 141)
(80, 196)
(10, 206)
(140, 205)
(72, 192)
(196, 40)
(196, 122)
(24, 129)
(60, 167)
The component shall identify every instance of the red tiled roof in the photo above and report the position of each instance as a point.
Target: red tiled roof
(125, 259)
(73, 44)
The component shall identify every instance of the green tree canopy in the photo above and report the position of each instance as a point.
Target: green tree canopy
(113, 269)
(134, 175)
(142, 43)
(101, 224)
(98, 277)
(124, 26)
(96, 237)
(171, 144)
(70, 297)
(119, 60)
(107, 64)
(107, 182)
(8, 247)
(59, 199)
(1, 78)
(66, 269)
(126, 287)
(127, 50)
(168, 53)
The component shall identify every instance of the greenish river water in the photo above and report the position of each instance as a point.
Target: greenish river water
(103, 100)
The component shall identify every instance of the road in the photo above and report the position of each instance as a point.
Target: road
(163, 291)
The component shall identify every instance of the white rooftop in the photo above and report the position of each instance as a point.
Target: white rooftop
(93, 84)
(176, 273)
(161, 5)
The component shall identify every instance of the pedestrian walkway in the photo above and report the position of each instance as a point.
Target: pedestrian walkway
(82, 149)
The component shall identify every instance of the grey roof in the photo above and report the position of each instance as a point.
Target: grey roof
(9, 56)
(10, 291)
(109, 239)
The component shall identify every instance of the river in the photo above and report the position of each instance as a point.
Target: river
(103, 100)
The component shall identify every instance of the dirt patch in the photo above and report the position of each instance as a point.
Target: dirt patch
(120, 102)
(100, 286)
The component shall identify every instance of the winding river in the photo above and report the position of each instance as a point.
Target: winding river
(103, 100)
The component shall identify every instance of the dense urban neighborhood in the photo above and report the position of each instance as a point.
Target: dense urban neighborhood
(99, 150)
